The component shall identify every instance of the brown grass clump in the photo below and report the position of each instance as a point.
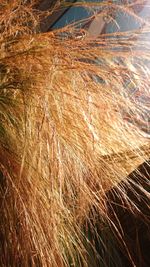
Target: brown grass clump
(74, 122)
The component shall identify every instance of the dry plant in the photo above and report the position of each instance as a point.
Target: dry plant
(74, 123)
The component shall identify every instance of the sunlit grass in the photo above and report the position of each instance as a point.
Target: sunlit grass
(66, 137)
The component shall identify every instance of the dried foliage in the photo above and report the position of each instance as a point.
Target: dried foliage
(74, 122)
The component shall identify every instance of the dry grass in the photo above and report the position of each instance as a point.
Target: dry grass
(70, 130)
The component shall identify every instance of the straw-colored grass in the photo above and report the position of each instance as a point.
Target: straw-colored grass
(74, 122)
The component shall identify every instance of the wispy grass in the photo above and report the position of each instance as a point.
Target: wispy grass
(71, 129)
